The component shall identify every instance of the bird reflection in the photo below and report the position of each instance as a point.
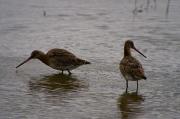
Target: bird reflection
(56, 81)
(129, 105)
(56, 87)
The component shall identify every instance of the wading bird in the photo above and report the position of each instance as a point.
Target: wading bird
(130, 67)
(58, 59)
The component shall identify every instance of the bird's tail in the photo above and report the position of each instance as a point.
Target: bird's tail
(86, 62)
(144, 77)
(81, 61)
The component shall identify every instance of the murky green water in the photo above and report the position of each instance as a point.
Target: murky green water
(94, 30)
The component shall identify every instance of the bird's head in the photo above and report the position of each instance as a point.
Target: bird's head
(36, 54)
(129, 44)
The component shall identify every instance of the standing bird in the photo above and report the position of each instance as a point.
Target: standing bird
(130, 67)
(58, 59)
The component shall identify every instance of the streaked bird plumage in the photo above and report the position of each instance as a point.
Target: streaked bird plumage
(130, 67)
(59, 59)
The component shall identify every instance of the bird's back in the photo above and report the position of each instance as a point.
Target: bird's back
(60, 52)
(131, 69)
(63, 59)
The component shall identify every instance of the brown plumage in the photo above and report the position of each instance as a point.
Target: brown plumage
(130, 67)
(58, 59)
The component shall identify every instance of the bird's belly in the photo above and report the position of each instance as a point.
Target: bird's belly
(130, 78)
(70, 67)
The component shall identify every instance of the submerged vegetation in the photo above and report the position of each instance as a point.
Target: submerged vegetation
(145, 5)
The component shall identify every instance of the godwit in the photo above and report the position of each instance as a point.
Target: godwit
(58, 59)
(130, 67)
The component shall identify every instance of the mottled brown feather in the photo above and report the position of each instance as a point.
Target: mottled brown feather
(61, 57)
(131, 66)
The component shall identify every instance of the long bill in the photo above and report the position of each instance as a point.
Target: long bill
(24, 62)
(139, 52)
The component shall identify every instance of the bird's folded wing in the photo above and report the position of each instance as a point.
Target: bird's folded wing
(134, 68)
(63, 57)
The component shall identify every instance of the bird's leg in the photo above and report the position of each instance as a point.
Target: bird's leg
(62, 71)
(69, 72)
(137, 87)
(126, 86)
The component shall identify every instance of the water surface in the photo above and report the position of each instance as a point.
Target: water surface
(94, 30)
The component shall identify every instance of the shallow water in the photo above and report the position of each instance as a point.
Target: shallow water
(94, 30)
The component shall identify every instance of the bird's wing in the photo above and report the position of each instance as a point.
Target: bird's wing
(133, 67)
(62, 57)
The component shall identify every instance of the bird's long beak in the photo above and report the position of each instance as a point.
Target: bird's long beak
(24, 61)
(139, 52)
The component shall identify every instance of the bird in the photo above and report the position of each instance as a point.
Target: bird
(130, 67)
(59, 59)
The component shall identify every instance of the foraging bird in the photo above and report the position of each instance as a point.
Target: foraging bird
(58, 59)
(130, 67)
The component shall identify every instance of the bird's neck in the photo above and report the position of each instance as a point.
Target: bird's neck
(43, 58)
(127, 51)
